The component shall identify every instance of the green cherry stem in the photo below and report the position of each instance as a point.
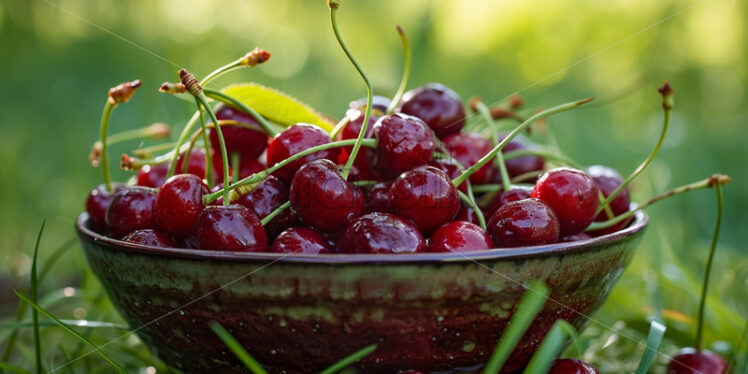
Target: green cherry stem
(150, 151)
(406, 72)
(106, 173)
(206, 140)
(220, 96)
(333, 5)
(486, 113)
(275, 213)
(182, 138)
(557, 109)
(255, 57)
(469, 199)
(712, 249)
(666, 91)
(339, 126)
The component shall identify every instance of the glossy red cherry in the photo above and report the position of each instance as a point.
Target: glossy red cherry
(520, 165)
(378, 233)
(572, 195)
(96, 204)
(150, 237)
(196, 163)
(322, 199)
(300, 240)
(362, 170)
(293, 140)
(522, 223)
(467, 213)
(449, 167)
(179, 203)
(515, 194)
(467, 149)
(131, 209)
(438, 106)
(426, 196)
(571, 366)
(249, 143)
(267, 196)
(608, 180)
(152, 175)
(459, 236)
(692, 361)
(249, 166)
(230, 228)
(403, 142)
(377, 197)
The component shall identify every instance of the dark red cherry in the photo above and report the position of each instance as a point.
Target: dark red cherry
(426, 196)
(449, 167)
(403, 142)
(230, 228)
(267, 196)
(520, 165)
(152, 175)
(179, 203)
(692, 361)
(249, 143)
(248, 167)
(96, 204)
(524, 222)
(322, 199)
(459, 236)
(293, 140)
(515, 194)
(351, 130)
(467, 213)
(150, 237)
(377, 198)
(438, 106)
(379, 104)
(467, 149)
(300, 240)
(376, 233)
(608, 180)
(571, 366)
(572, 195)
(196, 163)
(131, 209)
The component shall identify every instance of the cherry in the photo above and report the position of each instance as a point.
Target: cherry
(321, 198)
(467, 213)
(267, 196)
(196, 163)
(131, 209)
(248, 166)
(377, 233)
(378, 104)
(300, 240)
(515, 194)
(573, 196)
(249, 143)
(608, 180)
(179, 204)
(571, 366)
(426, 196)
(361, 169)
(230, 228)
(379, 195)
(403, 142)
(523, 222)
(152, 175)
(467, 149)
(520, 165)
(691, 360)
(295, 139)
(449, 167)
(438, 106)
(459, 236)
(96, 204)
(150, 237)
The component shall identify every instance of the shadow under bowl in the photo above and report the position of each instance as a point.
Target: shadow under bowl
(434, 312)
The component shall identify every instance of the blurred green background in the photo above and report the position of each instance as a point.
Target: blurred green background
(60, 57)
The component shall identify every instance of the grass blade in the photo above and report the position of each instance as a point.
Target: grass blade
(235, 347)
(548, 351)
(350, 359)
(34, 294)
(69, 322)
(654, 339)
(526, 311)
(572, 332)
(103, 355)
(13, 369)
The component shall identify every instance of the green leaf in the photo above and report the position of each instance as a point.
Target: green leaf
(526, 311)
(277, 106)
(350, 359)
(96, 349)
(573, 334)
(237, 348)
(548, 351)
(34, 315)
(656, 332)
(13, 369)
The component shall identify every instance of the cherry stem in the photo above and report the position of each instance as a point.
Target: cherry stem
(235, 159)
(235, 65)
(257, 177)
(107, 175)
(224, 156)
(333, 5)
(182, 138)
(339, 126)
(557, 109)
(220, 96)
(667, 106)
(275, 213)
(483, 109)
(406, 72)
(206, 140)
(470, 201)
(712, 249)
(253, 58)
(151, 132)
(193, 140)
(148, 152)
(365, 183)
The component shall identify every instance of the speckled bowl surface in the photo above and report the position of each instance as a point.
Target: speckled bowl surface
(440, 312)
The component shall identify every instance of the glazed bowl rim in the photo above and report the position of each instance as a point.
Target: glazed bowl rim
(640, 222)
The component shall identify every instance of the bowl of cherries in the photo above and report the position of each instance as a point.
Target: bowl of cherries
(413, 223)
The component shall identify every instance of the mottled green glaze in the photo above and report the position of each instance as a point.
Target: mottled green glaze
(300, 313)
